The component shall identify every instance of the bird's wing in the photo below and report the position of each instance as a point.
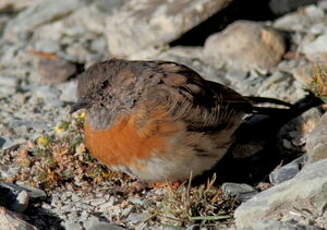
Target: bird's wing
(203, 105)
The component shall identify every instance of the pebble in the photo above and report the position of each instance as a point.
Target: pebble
(93, 223)
(287, 171)
(56, 70)
(14, 198)
(68, 91)
(6, 143)
(287, 144)
(236, 76)
(22, 201)
(241, 191)
(8, 172)
(135, 218)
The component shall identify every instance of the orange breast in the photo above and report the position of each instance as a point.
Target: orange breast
(124, 144)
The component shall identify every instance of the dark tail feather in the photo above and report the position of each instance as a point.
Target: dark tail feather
(292, 111)
(258, 100)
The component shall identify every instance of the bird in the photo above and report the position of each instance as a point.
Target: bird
(158, 120)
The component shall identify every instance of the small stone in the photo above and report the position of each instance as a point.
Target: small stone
(6, 143)
(56, 70)
(135, 218)
(126, 211)
(287, 144)
(93, 223)
(287, 171)
(241, 191)
(68, 91)
(246, 45)
(22, 201)
(8, 172)
(236, 76)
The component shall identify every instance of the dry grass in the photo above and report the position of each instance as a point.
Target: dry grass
(319, 81)
(203, 205)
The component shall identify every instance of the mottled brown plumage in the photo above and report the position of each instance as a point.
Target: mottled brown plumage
(157, 120)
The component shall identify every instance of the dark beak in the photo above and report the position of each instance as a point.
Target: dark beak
(80, 104)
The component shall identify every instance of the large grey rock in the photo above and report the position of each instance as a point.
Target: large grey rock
(316, 144)
(308, 187)
(45, 12)
(144, 24)
(10, 220)
(280, 225)
(246, 45)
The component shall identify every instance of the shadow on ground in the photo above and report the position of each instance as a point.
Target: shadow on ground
(256, 140)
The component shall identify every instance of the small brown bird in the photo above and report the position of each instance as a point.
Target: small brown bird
(158, 120)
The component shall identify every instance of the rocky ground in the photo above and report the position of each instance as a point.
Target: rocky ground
(49, 181)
